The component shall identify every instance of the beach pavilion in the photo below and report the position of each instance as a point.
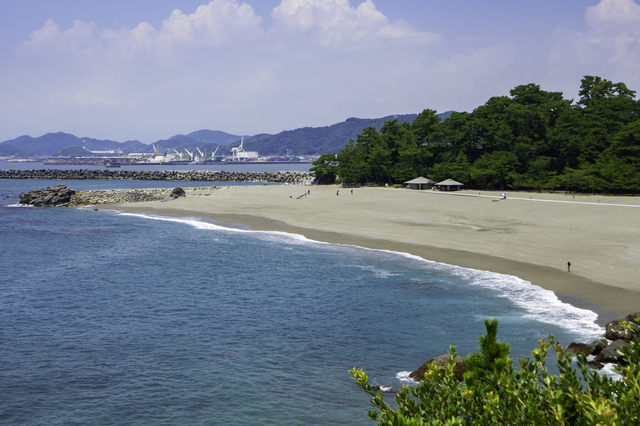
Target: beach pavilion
(420, 183)
(449, 185)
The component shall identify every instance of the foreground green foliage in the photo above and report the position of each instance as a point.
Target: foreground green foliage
(532, 139)
(494, 394)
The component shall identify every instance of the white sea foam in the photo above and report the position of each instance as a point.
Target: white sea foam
(378, 272)
(18, 205)
(539, 304)
(608, 371)
(403, 376)
(200, 224)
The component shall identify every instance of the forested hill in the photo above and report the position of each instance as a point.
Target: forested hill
(67, 144)
(301, 141)
(319, 140)
(532, 139)
(51, 143)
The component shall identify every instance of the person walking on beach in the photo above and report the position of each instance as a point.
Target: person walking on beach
(569, 266)
(290, 196)
(352, 192)
(338, 192)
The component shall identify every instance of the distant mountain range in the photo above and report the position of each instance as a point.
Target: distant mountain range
(302, 141)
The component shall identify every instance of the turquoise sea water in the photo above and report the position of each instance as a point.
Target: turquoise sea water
(109, 319)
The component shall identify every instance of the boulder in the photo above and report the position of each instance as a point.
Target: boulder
(579, 348)
(441, 361)
(597, 346)
(622, 330)
(632, 317)
(177, 192)
(58, 196)
(610, 353)
(595, 365)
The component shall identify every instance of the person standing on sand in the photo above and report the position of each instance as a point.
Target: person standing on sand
(338, 192)
(569, 266)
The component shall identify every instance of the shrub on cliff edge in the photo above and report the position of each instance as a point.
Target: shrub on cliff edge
(495, 394)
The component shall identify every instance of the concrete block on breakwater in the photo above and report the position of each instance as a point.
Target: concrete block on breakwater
(292, 177)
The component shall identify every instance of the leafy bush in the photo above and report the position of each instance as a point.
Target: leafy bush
(493, 393)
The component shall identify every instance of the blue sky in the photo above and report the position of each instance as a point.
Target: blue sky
(149, 69)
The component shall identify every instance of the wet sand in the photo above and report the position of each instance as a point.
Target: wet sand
(528, 235)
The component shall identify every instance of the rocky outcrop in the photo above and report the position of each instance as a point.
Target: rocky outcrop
(61, 196)
(58, 196)
(595, 364)
(293, 177)
(619, 332)
(601, 349)
(441, 362)
(625, 329)
(597, 346)
(176, 193)
(612, 352)
(579, 348)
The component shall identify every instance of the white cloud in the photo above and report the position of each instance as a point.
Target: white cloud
(218, 23)
(610, 48)
(611, 13)
(81, 37)
(336, 21)
(222, 23)
(219, 67)
(480, 60)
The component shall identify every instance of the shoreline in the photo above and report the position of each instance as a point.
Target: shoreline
(270, 209)
(604, 315)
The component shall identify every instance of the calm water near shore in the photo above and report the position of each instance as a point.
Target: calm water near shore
(109, 319)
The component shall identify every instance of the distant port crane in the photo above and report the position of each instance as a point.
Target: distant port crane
(213, 156)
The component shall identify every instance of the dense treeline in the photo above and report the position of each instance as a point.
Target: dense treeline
(532, 140)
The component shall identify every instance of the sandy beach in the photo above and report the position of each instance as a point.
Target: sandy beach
(528, 235)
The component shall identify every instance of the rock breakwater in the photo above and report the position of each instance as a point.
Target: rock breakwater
(62, 196)
(96, 161)
(293, 177)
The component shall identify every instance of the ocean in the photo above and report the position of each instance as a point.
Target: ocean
(109, 318)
